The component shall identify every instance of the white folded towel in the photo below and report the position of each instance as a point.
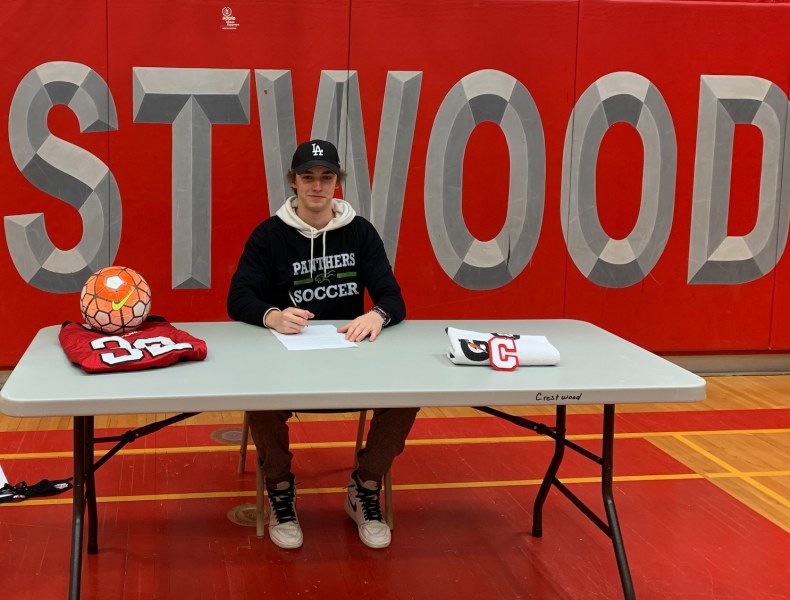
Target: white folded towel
(471, 348)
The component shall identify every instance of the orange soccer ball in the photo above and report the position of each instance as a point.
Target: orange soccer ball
(115, 300)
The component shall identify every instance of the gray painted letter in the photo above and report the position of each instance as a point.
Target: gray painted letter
(64, 171)
(192, 100)
(497, 97)
(338, 118)
(714, 256)
(614, 98)
(278, 131)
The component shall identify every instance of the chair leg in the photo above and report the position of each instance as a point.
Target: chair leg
(363, 415)
(245, 436)
(389, 514)
(260, 516)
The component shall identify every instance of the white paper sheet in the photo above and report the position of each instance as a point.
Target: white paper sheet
(314, 337)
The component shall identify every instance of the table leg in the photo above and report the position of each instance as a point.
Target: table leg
(551, 472)
(607, 456)
(90, 489)
(78, 507)
(85, 466)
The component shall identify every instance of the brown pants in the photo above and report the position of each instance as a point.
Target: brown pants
(389, 428)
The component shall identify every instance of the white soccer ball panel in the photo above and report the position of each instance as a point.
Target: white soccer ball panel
(114, 282)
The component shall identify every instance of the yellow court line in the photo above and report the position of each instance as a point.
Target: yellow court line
(709, 455)
(735, 472)
(405, 486)
(704, 433)
(409, 442)
(739, 474)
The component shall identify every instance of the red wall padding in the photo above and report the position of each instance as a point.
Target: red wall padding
(555, 48)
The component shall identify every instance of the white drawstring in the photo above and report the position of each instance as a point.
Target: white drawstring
(312, 239)
(290, 217)
(324, 253)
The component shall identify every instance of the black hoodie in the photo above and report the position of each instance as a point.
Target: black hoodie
(288, 263)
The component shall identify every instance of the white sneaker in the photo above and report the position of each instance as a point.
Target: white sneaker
(363, 506)
(284, 526)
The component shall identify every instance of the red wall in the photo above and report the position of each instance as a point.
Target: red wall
(555, 48)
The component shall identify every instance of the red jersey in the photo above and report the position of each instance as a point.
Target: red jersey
(156, 343)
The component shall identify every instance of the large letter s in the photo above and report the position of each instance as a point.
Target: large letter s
(65, 171)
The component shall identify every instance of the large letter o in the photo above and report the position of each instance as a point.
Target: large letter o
(499, 98)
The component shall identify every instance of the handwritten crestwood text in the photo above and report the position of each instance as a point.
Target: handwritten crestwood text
(557, 397)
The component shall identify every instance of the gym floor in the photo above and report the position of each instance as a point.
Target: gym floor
(702, 491)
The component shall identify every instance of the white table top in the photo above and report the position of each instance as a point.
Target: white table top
(247, 368)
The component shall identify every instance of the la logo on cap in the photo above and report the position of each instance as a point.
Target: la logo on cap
(317, 151)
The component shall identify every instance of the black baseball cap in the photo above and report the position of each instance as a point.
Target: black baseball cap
(316, 153)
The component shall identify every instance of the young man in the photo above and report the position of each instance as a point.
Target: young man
(315, 259)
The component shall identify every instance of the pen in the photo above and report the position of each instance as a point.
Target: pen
(296, 305)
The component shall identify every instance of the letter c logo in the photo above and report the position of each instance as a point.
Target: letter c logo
(502, 353)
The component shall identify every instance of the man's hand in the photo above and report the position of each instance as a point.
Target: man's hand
(367, 325)
(290, 320)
